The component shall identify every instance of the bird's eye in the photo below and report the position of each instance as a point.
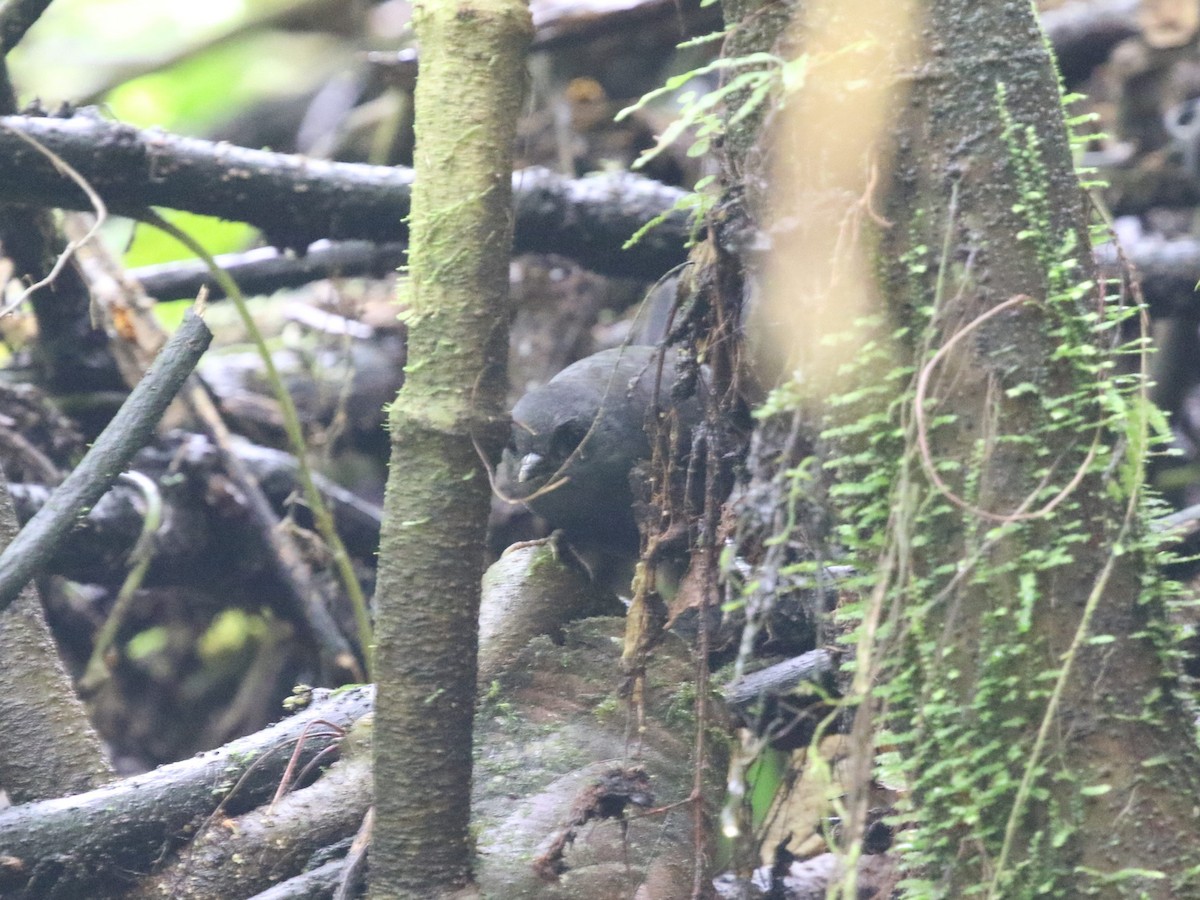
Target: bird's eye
(566, 439)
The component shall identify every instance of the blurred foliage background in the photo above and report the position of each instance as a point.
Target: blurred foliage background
(193, 69)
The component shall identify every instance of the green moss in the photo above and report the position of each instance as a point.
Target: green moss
(971, 702)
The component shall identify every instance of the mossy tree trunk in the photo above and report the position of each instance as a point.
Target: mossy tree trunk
(1023, 672)
(432, 543)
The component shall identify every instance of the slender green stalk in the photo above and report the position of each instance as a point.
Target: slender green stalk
(322, 517)
(141, 556)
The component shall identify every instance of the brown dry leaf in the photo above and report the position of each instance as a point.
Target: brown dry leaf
(798, 813)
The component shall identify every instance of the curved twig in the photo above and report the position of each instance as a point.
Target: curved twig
(923, 432)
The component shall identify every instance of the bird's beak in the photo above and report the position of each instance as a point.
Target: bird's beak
(529, 462)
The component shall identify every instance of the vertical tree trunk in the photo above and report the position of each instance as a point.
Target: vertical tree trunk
(49, 748)
(991, 465)
(432, 543)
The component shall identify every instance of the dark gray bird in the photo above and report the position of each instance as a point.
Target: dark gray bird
(576, 438)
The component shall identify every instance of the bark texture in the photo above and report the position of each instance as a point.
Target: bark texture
(50, 749)
(1046, 751)
(552, 820)
(436, 507)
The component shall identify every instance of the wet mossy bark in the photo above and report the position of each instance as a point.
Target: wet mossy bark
(432, 542)
(987, 219)
(1026, 678)
(554, 727)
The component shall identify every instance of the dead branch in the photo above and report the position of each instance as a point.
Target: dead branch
(128, 432)
(296, 201)
(265, 269)
(279, 837)
(96, 844)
